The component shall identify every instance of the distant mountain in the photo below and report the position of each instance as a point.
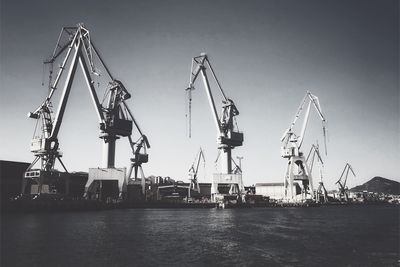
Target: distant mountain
(379, 185)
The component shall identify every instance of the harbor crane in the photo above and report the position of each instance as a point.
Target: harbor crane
(228, 136)
(194, 184)
(312, 156)
(343, 189)
(297, 168)
(114, 117)
(194, 169)
(140, 156)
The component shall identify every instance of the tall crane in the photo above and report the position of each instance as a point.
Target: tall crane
(140, 156)
(228, 136)
(343, 189)
(194, 183)
(312, 156)
(297, 169)
(77, 47)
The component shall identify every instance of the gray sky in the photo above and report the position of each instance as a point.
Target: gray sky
(266, 55)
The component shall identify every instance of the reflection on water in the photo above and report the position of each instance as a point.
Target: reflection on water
(355, 236)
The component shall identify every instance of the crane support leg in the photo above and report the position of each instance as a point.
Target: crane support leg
(291, 179)
(109, 151)
(143, 181)
(135, 168)
(298, 170)
(106, 174)
(286, 182)
(226, 157)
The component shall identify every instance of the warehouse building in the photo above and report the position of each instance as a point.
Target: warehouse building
(11, 173)
(275, 190)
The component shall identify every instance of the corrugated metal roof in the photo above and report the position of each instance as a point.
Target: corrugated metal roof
(269, 184)
(273, 184)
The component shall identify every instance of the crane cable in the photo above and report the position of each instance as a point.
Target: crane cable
(188, 112)
(43, 74)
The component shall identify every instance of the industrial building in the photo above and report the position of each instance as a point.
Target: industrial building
(275, 191)
(11, 173)
(65, 185)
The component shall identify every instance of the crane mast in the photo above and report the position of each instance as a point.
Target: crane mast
(297, 168)
(343, 189)
(228, 136)
(78, 49)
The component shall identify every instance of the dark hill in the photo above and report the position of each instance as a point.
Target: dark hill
(379, 185)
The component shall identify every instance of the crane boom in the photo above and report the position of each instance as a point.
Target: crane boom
(93, 94)
(211, 100)
(296, 117)
(314, 100)
(314, 151)
(305, 121)
(199, 64)
(201, 156)
(290, 136)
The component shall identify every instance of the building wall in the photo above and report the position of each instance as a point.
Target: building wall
(11, 174)
(274, 190)
(205, 189)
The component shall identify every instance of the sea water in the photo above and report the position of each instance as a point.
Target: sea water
(315, 236)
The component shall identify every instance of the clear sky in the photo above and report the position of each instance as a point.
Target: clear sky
(266, 55)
